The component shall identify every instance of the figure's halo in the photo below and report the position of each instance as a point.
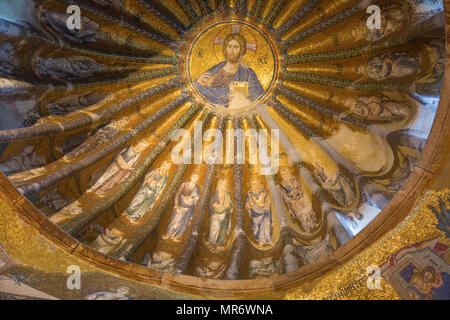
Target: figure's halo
(244, 31)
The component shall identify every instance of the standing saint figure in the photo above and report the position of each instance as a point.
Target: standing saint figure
(230, 83)
(293, 195)
(258, 206)
(221, 206)
(120, 169)
(152, 186)
(338, 185)
(186, 199)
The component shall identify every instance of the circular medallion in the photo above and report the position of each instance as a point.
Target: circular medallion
(232, 66)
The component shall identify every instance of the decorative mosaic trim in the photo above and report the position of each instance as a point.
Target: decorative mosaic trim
(222, 6)
(204, 6)
(323, 25)
(173, 23)
(274, 13)
(333, 113)
(119, 57)
(154, 24)
(307, 8)
(343, 83)
(134, 77)
(121, 7)
(342, 54)
(291, 117)
(241, 6)
(239, 202)
(188, 10)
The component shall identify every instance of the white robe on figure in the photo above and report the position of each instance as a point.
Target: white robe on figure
(185, 201)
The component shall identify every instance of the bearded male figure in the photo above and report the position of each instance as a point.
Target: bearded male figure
(230, 83)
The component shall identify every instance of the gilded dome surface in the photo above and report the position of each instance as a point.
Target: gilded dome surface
(227, 140)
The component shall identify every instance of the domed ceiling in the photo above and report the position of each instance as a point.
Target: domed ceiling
(226, 140)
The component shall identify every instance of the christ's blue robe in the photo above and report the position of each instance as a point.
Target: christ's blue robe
(220, 96)
(443, 292)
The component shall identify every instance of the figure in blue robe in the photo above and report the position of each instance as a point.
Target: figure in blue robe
(219, 90)
(258, 206)
(442, 290)
(186, 200)
(148, 193)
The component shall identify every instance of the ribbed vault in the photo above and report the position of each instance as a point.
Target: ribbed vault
(89, 116)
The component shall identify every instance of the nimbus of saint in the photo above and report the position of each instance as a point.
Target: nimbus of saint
(220, 210)
(258, 206)
(186, 199)
(152, 186)
(230, 83)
